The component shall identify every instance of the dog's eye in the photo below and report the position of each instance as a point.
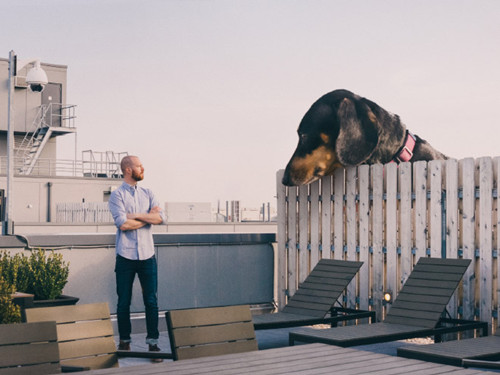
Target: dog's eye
(303, 137)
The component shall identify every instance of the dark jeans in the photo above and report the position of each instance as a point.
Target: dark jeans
(126, 270)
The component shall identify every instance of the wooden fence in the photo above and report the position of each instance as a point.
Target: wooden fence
(388, 216)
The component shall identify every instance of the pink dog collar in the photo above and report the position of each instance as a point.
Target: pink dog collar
(406, 152)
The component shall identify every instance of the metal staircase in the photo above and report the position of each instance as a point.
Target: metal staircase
(42, 129)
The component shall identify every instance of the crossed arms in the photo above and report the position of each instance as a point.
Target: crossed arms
(136, 221)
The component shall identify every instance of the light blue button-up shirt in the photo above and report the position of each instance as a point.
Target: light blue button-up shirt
(134, 244)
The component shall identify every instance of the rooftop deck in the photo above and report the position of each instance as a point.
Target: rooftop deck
(267, 339)
(175, 249)
(278, 338)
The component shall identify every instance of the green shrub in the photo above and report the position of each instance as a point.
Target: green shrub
(39, 274)
(24, 280)
(9, 268)
(9, 311)
(49, 274)
(15, 271)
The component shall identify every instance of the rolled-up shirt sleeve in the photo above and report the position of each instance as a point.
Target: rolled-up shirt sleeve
(154, 202)
(117, 209)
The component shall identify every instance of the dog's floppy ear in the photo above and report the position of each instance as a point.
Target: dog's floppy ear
(358, 134)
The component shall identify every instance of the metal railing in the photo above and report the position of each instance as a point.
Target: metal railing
(48, 115)
(65, 168)
(58, 114)
(100, 164)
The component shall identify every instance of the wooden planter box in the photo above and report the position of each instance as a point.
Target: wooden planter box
(27, 301)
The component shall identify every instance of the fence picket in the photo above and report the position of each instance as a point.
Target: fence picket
(436, 208)
(351, 230)
(326, 217)
(420, 178)
(451, 189)
(406, 236)
(468, 234)
(303, 234)
(496, 242)
(451, 208)
(391, 227)
(292, 241)
(281, 256)
(351, 215)
(338, 209)
(377, 222)
(364, 236)
(315, 223)
(485, 237)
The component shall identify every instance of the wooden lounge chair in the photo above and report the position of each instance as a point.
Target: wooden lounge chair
(202, 332)
(313, 301)
(416, 312)
(474, 352)
(29, 348)
(85, 336)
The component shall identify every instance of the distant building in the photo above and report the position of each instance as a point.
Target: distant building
(41, 182)
(38, 117)
(188, 212)
(234, 211)
(263, 213)
(251, 214)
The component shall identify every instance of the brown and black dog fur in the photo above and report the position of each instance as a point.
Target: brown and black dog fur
(342, 129)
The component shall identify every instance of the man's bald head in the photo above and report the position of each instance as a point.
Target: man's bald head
(127, 162)
(132, 169)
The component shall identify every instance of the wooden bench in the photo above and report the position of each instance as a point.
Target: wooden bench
(210, 331)
(85, 336)
(29, 348)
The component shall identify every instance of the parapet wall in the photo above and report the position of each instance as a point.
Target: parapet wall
(194, 270)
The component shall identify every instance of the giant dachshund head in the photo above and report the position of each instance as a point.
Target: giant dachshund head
(340, 129)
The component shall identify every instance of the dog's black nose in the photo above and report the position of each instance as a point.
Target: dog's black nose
(286, 180)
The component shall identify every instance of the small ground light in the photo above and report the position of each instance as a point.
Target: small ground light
(388, 297)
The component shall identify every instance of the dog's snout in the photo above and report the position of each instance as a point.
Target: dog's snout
(318, 171)
(286, 180)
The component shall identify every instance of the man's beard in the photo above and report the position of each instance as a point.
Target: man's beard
(137, 176)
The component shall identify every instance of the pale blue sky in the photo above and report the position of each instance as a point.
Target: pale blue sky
(209, 93)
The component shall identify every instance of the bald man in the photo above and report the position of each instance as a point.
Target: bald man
(135, 210)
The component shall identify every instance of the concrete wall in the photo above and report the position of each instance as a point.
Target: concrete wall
(199, 270)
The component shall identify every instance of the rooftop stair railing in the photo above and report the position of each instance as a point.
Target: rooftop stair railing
(41, 130)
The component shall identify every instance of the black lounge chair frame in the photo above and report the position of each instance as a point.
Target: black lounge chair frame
(418, 311)
(313, 301)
